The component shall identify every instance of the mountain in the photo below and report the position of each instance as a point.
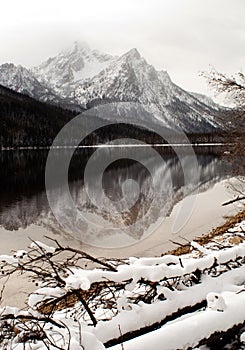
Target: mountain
(71, 68)
(131, 79)
(27, 122)
(22, 80)
(82, 78)
(206, 100)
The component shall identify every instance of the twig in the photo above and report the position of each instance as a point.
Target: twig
(120, 332)
(238, 198)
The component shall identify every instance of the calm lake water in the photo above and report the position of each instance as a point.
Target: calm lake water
(120, 207)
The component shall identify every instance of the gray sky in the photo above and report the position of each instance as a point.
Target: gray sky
(180, 36)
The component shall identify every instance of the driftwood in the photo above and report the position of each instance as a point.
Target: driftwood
(50, 269)
(228, 339)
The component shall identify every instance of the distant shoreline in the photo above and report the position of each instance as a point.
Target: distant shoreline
(116, 146)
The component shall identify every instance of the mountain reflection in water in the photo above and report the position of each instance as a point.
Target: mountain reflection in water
(23, 199)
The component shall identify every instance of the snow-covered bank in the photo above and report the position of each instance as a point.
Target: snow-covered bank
(169, 302)
(188, 331)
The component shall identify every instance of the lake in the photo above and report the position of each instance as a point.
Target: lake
(125, 203)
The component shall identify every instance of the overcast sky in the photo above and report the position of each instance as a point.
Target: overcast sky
(180, 36)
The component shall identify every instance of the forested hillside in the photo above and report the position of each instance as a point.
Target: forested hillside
(27, 122)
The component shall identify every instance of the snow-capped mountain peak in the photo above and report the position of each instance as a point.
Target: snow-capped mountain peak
(71, 68)
(131, 79)
(88, 78)
(133, 53)
(128, 78)
(81, 45)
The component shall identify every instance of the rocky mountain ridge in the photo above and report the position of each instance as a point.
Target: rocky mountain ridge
(82, 78)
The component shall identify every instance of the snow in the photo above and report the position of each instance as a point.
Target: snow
(131, 79)
(7, 310)
(43, 294)
(9, 259)
(72, 337)
(197, 246)
(90, 342)
(142, 314)
(216, 302)
(22, 80)
(46, 248)
(20, 253)
(242, 338)
(82, 76)
(89, 70)
(71, 68)
(188, 332)
(222, 290)
(131, 316)
(155, 269)
(123, 304)
(77, 281)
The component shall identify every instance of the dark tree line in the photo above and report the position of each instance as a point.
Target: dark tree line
(27, 122)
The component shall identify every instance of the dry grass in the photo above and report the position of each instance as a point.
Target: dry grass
(218, 231)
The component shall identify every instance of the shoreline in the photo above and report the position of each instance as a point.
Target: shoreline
(192, 254)
(217, 232)
(191, 144)
(213, 237)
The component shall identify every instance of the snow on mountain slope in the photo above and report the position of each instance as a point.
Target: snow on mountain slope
(22, 80)
(72, 67)
(206, 100)
(131, 79)
(82, 78)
